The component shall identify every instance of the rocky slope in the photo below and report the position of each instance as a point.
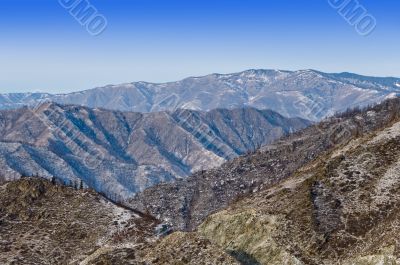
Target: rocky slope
(124, 152)
(186, 203)
(176, 249)
(308, 94)
(45, 223)
(341, 208)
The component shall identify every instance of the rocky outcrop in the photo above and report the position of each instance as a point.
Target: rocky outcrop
(189, 248)
(249, 237)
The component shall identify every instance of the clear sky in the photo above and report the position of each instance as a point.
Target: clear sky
(43, 48)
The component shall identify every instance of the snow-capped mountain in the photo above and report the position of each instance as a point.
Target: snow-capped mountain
(125, 152)
(307, 94)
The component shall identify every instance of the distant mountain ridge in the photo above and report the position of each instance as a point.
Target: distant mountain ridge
(308, 94)
(124, 152)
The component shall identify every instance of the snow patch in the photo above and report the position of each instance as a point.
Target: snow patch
(120, 220)
(391, 95)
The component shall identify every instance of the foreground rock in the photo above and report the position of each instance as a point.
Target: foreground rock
(190, 248)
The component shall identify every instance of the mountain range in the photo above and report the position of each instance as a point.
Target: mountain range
(307, 94)
(327, 194)
(122, 153)
(257, 168)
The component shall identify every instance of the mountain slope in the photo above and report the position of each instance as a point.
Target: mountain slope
(121, 153)
(339, 209)
(44, 223)
(307, 94)
(186, 203)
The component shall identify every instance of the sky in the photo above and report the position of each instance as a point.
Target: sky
(43, 48)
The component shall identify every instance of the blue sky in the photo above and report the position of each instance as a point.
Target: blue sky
(43, 48)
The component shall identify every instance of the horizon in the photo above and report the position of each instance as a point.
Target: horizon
(45, 47)
(188, 77)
